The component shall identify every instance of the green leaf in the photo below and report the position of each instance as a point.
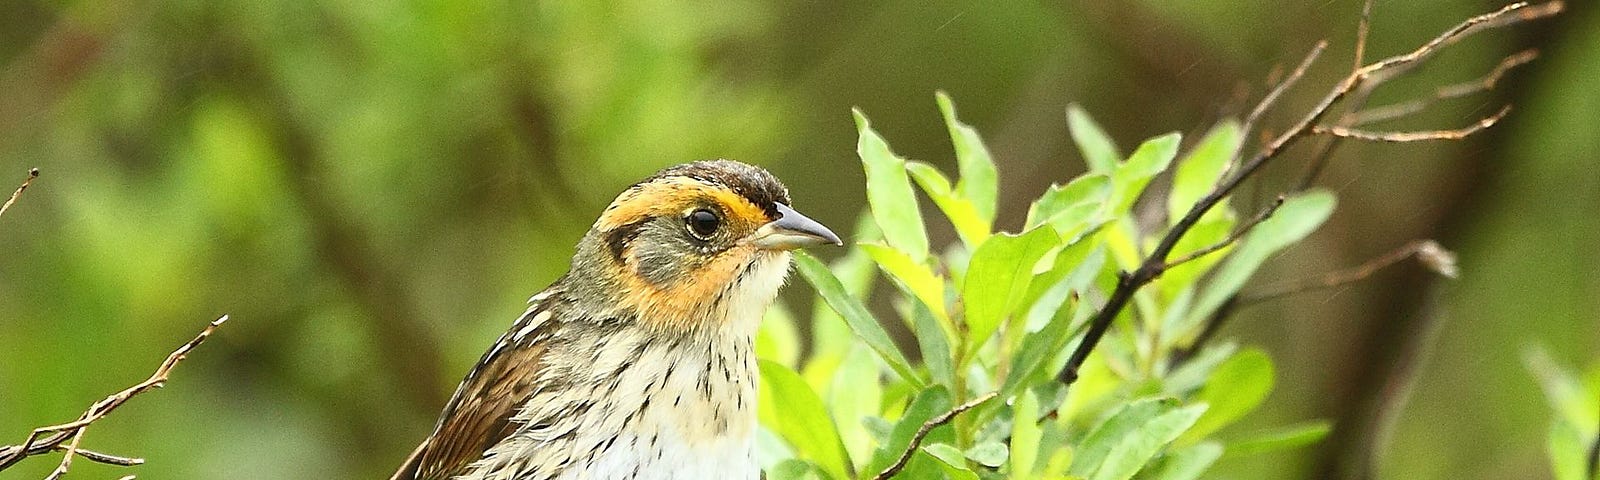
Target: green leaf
(1238, 386)
(1130, 438)
(889, 194)
(963, 215)
(1284, 438)
(915, 275)
(1194, 372)
(998, 277)
(927, 404)
(1099, 152)
(1129, 179)
(855, 395)
(1198, 173)
(1562, 389)
(1298, 217)
(990, 454)
(777, 338)
(1025, 433)
(1092, 189)
(934, 342)
(1568, 453)
(979, 182)
(798, 416)
(794, 469)
(1092, 452)
(861, 322)
(1189, 463)
(831, 337)
(950, 460)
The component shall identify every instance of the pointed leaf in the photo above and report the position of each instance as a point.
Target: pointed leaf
(1279, 439)
(889, 194)
(1099, 152)
(963, 215)
(1129, 179)
(979, 182)
(861, 322)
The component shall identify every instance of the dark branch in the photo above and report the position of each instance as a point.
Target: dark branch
(1233, 237)
(1366, 77)
(47, 439)
(922, 432)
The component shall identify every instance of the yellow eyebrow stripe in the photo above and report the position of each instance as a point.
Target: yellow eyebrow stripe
(671, 195)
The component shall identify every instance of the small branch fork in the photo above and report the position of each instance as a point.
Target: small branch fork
(928, 426)
(32, 174)
(67, 436)
(1361, 80)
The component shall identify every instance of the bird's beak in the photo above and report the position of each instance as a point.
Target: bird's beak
(792, 230)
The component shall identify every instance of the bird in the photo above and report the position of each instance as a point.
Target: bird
(637, 363)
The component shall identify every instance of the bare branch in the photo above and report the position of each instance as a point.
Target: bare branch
(1362, 79)
(1401, 137)
(1362, 30)
(46, 439)
(1481, 84)
(1277, 91)
(1433, 256)
(32, 174)
(928, 426)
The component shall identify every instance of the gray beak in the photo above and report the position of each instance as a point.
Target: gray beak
(792, 230)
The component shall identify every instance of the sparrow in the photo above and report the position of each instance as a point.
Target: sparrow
(638, 363)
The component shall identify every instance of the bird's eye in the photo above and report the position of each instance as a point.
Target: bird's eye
(703, 223)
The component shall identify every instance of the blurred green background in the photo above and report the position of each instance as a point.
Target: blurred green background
(372, 189)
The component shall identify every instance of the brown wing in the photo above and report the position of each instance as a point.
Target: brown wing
(479, 414)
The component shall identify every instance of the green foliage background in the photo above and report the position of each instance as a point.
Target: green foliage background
(372, 189)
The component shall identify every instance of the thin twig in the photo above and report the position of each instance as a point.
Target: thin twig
(32, 174)
(1233, 237)
(1272, 96)
(1482, 84)
(1365, 77)
(1455, 134)
(1362, 30)
(1432, 255)
(928, 426)
(105, 458)
(45, 439)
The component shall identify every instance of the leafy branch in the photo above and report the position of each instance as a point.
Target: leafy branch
(1363, 79)
(67, 437)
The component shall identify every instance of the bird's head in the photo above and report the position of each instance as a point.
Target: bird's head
(698, 243)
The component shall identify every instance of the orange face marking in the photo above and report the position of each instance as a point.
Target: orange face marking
(677, 304)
